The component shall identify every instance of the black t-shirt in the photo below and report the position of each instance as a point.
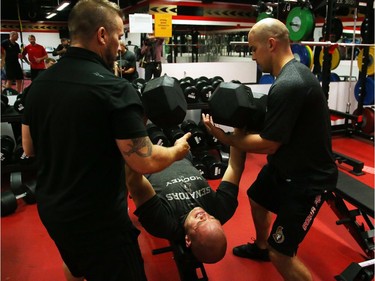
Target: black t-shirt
(127, 61)
(180, 188)
(76, 109)
(12, 51)
(298, 117)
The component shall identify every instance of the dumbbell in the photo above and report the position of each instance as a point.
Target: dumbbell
(190, 91)
(9, 92)
(235, 105)
(198, 164)
(205, 89)
(4, 103)
(173, 133)
(7, 148)
(197, 138)
(211, 159)
(156, 135)
(9, 199)
(19, 104)
(19, 155)
(164, 102)
(139, 84)
(215, 81)
(211, 141)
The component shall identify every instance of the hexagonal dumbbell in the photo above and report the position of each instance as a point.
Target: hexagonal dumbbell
(164, 101)
(235, 105)
(156, 135)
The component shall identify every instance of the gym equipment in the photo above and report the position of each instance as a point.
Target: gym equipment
(367, 124)
(237, 106)
(360, 196)
(210, 139)
(189, 269)
(4, 103)
(336, 29)
(363, 271)
(266, 79)
(204, 88)
(302, 54)
(215, 81)
(9, 92)
(368, 98)
(264, 15)
(211, 159)
(173, 133)
(367, 29)
(197, 138)
(190, 91)
(370, 65)
(300, 23)
(19, 104)
(19, 155)
(7, 148)
(335, 58)
(157, 136)
(164, 101)
(9, 199)
(139, 84)
(198, 164)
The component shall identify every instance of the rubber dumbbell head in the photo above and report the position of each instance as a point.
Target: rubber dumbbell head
(9, 199)
(157, 136)
(7, 148)
(173, 133)
(164, 101)
(197, 138)
(231, 104)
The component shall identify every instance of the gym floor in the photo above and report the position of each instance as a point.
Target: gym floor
(28, 254)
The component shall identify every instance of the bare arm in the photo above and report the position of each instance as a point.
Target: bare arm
(27, 142)
(236, 165)
(146, 158)
(138, 186)
(253, 143)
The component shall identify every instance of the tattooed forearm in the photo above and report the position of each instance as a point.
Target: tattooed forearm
(138, 145)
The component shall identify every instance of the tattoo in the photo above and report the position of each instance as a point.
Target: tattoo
(138, 145)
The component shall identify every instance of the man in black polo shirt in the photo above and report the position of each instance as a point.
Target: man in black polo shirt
(82, 123)
(296, 137)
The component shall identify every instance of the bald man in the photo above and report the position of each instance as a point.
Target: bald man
(179, 205)
(300, 167)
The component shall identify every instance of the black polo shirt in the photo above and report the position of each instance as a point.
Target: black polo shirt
(76, 110)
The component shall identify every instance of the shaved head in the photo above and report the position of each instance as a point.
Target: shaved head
(270, 27)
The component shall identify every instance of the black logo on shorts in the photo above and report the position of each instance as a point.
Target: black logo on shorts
(278, 236)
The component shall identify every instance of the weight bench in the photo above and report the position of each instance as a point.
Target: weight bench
(361, 196)
(189, 269)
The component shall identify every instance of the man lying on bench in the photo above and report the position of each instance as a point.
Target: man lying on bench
(179, 205)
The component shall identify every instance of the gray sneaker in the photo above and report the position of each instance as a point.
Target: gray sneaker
(251, 251)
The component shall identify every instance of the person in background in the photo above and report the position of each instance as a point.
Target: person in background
(300, 167)
(61, 48)
(36, 54)
(179, 205)
(126, 64)
(195, 41)
(317, 69)
(49, 62)
(152, 51)
(11, 53)
(95, 124)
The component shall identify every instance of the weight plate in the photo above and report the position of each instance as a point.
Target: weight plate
(336, 30)
(266, 79)
(369, 93)
(264, 15)
(311, 56)
(335, 58)
(370, 66)
(367, 126)
(301, 54)
(334, 77)
(300, 23)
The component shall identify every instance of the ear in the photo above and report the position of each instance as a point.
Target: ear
(187, 241)
(101, 35)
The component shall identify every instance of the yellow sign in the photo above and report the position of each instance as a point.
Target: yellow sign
(163, 25)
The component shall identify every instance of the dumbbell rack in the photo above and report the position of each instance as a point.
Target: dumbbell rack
(15, 171)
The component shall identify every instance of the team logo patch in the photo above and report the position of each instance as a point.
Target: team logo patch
(278, 236)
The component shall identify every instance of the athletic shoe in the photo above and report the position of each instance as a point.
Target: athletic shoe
(251, 251)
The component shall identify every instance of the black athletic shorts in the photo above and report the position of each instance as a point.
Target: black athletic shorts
(13, 71)
(114, 263)
(296, 205)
